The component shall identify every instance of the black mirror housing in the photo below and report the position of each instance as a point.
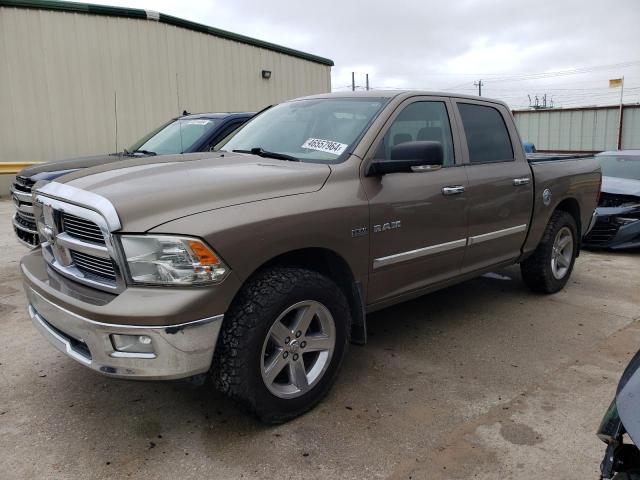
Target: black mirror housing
(406, 155)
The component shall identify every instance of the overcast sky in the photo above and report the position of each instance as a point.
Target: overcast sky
(448, 44)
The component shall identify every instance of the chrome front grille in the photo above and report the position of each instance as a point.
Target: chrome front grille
(101, 268)
(24, 223)
(77, 241)
(81, 228)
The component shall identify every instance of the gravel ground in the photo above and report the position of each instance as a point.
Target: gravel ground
(483, 380)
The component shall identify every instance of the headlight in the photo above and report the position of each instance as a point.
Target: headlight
(169, 260)
(625, 220)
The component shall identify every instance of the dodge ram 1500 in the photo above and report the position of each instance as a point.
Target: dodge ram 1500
(258, 263)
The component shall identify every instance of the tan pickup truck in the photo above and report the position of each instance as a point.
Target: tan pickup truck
(257, 264)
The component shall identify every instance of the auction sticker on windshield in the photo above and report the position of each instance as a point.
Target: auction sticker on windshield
(326, 146)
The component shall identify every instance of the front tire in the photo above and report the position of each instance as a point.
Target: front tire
(548, 269)
(282, 343)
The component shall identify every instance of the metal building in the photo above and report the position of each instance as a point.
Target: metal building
(71, 72)
(583, 129)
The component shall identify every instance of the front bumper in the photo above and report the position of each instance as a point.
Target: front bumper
(609, 231)
(178, 350)
(183, 324)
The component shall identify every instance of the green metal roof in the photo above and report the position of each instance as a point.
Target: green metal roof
(90, 8)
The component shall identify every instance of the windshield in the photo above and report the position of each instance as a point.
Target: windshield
(315, 130)
(177, 136)
(621, 166)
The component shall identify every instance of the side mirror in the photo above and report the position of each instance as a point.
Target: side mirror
(406, 155)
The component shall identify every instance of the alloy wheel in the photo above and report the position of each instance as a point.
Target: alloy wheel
(297, 349)
(562, 253)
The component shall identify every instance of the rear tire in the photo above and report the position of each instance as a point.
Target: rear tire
(548, 269)
(278, 316)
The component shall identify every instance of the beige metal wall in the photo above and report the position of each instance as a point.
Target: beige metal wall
(60, 74)
(582, 129)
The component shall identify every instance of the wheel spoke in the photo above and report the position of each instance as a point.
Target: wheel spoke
(298, 374)
(563, 261)
(563, 242)
(303, 318)
(274, 368)
(279, 332)
(317, 343)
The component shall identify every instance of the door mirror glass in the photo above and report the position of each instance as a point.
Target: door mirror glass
(405, 156)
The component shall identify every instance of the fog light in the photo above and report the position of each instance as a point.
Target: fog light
(132, 343)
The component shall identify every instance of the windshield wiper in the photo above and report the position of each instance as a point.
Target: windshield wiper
(146, 152)
(261, 152)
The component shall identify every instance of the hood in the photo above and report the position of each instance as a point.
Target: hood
(51, 170)
(621, 186)
(150, 191)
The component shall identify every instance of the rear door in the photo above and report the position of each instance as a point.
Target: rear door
(418, 219)
(500, 189)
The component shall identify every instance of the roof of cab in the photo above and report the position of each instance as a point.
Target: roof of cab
(399, 93)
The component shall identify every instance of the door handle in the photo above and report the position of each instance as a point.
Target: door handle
(521, 181)
(453, 190)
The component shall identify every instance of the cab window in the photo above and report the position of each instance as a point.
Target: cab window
(487, 135)
(420, 121)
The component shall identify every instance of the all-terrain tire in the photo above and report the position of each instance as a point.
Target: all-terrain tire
(236, 368)
(537, 271)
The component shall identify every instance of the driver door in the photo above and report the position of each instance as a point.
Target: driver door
(418, 220)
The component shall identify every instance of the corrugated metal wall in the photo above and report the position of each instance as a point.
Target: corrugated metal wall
(60, 73)
(583, 129)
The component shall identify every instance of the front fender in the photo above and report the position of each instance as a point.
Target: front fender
(249, 235)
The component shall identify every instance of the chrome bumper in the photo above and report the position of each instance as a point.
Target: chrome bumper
(179, 351)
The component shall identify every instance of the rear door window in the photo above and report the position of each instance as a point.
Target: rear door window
(487, 135)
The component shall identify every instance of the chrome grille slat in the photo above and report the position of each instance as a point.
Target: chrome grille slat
(93, 265)
(91, 260)
(81, 228)
(81, 231)
(91, 238)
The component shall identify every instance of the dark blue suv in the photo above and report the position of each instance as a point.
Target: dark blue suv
(186, 134)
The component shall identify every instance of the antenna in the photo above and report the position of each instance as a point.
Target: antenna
(177, 92)
(115, 114)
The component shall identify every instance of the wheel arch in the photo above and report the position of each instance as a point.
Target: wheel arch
(332, 265)
(572, 207)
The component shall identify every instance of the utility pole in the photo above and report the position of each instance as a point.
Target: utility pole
(353, 81)
(367, 81)
(620, 116)
(479, 85)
